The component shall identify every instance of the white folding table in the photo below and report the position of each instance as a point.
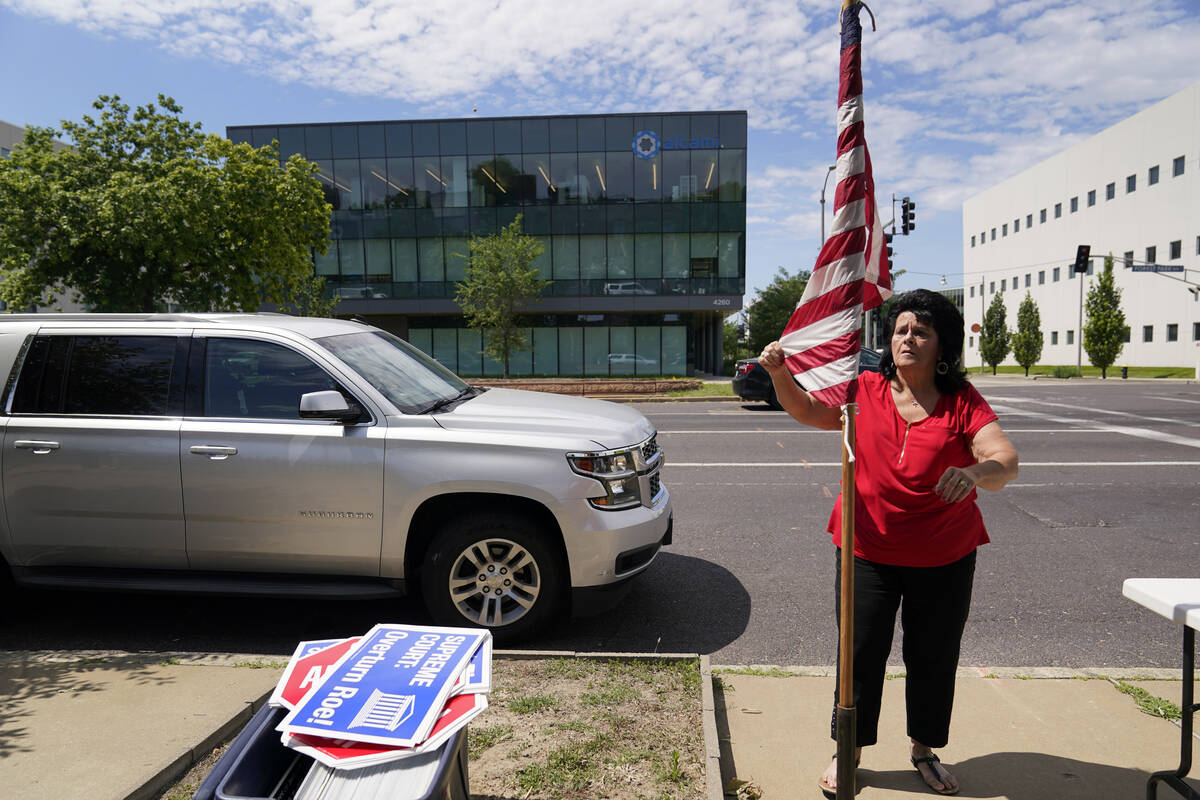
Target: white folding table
(1177, 599)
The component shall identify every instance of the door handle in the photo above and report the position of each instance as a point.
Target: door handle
(214, 452)
(41, 448)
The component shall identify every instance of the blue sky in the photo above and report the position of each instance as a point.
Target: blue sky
(959, 94)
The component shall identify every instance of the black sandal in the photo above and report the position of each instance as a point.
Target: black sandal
(930, 760)
(827, 790)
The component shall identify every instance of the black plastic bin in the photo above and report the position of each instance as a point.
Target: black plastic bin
(257, 766)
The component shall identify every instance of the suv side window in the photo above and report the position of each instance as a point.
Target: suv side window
(101, 375)
(249, 379)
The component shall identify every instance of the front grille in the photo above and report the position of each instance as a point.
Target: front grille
(655, 485)
(650, 448)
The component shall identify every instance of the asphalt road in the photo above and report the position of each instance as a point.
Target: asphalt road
(1107, 491)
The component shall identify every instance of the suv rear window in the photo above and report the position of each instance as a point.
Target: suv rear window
(98, 375)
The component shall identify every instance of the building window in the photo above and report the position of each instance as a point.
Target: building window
(992, 287)
(982, 237)
(1091, 198)
(972, 290)
(1003, 282)
(1151, 254)
(1110, 191)
(972, 240)
(993, 234)
(1057, 210)
(1041, 276)
(1091, 261)
(1128, 259)
(971, 341)
(1177, 167)
(1029, 220)
(1177, 248)
(1196, 331)
(1131, 184)
(1055, 277)
(1028, 279)
(1172, 332)
(1147, 333)
(1017, 225)
(1074, 204)
(1152, 176)
(1053, 337)
(1043, 216)
(1070, 337)
(1004, 229)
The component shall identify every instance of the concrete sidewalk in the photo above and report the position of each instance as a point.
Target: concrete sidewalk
(1019, 738)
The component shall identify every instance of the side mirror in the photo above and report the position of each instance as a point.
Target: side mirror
(329, 405)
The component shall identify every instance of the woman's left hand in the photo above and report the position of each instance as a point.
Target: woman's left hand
(956, 483)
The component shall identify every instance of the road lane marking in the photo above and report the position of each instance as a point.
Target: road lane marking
(1140, 433)
(1073, 407)
(1173, 399)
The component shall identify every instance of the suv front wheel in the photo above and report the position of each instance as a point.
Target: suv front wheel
(493, 571)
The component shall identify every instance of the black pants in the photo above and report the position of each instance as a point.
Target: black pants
(934, 603)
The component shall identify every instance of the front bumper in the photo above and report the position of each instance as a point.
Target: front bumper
(587, 601)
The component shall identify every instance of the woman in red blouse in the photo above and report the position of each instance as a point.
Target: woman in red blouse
(925, 440)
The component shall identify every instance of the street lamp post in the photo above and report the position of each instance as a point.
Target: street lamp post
(832, 167)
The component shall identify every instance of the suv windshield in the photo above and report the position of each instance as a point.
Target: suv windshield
(403, 374)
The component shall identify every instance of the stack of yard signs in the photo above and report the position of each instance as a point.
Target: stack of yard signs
(390, 697)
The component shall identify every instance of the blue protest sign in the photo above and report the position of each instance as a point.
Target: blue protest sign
(389, 688)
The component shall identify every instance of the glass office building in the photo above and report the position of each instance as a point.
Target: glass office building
(642, 216)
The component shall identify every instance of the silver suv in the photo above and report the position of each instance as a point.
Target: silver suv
(271, 454)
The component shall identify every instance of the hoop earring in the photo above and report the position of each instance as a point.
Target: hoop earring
(942, 368)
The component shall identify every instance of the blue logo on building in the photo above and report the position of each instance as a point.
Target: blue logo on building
(645, 144)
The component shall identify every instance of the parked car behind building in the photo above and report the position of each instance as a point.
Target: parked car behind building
(266, 453)
(751, 381)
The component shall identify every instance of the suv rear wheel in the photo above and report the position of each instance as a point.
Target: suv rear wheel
(495, 571)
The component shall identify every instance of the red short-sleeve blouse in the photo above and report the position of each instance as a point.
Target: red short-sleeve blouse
(898, 519)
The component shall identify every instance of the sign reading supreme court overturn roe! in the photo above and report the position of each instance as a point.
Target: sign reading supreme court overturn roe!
(389, 688)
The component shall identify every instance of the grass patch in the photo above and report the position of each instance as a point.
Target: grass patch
(762, 672)
(672, 773)
(671, 673)
(715, 389)
(1050, 370)
(567, 769)
(569, 668)
(260, 664)
(169, 662)
(612, 695)
(531, 704)
(1148, 703)
(480, 739)
(92, 660)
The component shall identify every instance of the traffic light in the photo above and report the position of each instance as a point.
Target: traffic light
(1081, 257)
(908, 216)
(887, 246)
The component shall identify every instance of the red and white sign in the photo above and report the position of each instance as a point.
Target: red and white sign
(305, 672)
(345, 754)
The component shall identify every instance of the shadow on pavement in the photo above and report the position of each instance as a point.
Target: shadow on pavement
(1028, 776)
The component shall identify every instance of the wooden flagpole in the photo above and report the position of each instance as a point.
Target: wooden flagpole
(846, 713)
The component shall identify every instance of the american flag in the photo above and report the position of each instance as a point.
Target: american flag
(822, 339)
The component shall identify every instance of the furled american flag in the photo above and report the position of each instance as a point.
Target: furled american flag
(821, 340)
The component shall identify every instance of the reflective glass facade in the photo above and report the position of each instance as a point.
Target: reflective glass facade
(642, 218)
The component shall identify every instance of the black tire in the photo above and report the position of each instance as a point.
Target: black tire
(773, 401)
(488, 553)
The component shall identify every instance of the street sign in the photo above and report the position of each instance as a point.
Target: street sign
(1157, 268)
(389, 688)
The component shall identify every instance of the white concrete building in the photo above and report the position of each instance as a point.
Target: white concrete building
(1132, 190)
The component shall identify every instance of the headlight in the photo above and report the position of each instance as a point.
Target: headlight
(616, 470)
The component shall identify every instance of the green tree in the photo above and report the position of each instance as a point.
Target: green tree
(994, 336)
(146, 210)
(1027, 341)
(500, 282)
(772, 309)
(309, 299)
(1104, 328)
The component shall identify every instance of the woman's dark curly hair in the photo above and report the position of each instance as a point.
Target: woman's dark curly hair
(938, 311)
